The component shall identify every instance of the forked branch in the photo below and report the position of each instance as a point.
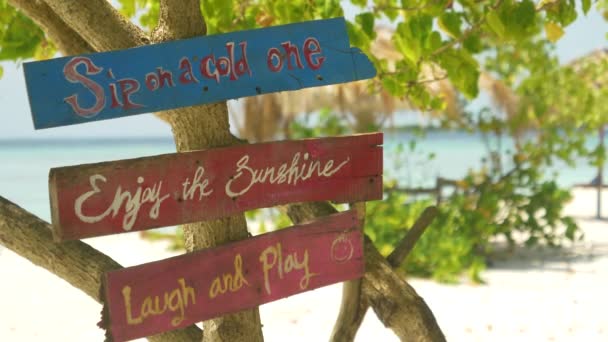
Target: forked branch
(395, 302)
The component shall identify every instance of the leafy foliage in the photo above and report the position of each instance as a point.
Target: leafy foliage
(325, 123)
(520, 206)
(20, 38)
(511, 40)
(451, 34)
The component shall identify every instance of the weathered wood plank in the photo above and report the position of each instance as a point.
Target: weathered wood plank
(107, 85)
(137, 194)
(176, 292)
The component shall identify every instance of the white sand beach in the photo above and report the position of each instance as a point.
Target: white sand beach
(542, 295)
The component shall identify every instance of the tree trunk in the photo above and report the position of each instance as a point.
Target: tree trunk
(94, 25)
(197, 128)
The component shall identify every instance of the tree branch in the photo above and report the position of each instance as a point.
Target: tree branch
(395, 302)
(352, 312)
(100, 24)
(406, 245)
(66, 39)
(179, 19)
(352, 308)
(74, 261)
(203, 127)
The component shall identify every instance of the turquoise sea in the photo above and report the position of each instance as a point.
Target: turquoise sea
(25, 164)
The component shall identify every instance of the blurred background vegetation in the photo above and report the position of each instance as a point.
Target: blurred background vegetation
(433, 57)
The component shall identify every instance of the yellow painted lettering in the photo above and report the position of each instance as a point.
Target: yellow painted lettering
(187, 291)
(267, 265)
(239, 278)
(126, 293)
(216, 288)
(147, 308)
(230, 282)
(289, 263)
(176, 301)
(272, 258)
(304, 282)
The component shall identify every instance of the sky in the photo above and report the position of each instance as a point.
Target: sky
(585, 35)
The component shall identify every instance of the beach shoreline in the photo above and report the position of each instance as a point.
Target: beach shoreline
(531, 295)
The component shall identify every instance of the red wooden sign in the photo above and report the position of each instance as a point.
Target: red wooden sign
(177, 292)
(137, 194)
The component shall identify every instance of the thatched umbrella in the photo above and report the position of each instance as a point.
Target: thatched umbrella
(584, 66)
(360, 103)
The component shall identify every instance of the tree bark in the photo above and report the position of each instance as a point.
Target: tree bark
(197, 128)
(104, 29)
(396, 303)
(179, 19)
(99, 24)
(352, 312)
(353, 306)
(96, 25)
(73, 261)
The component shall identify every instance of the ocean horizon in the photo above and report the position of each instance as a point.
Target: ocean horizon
(26, 162)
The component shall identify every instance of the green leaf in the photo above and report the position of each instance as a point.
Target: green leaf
(463, 71)
(421, 25)
(388, 8)
(495, 24)
(149, 18)
(473, 43)
(450, 23)
(437, 104)
(357, 37)
(519, 19)
(1, 71)
(543, 3)
(406, 43)
(414, 39)
(562, 12)
(586, 6)
(391, 85)
(554, 32)
(19, 36)
(127, 8)
(366, 21)
(219, 15)
(433, 42)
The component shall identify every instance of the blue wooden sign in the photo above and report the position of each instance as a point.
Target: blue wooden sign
(108, 85)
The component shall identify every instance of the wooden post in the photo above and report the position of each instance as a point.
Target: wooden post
(352, 308)
(438, 186)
